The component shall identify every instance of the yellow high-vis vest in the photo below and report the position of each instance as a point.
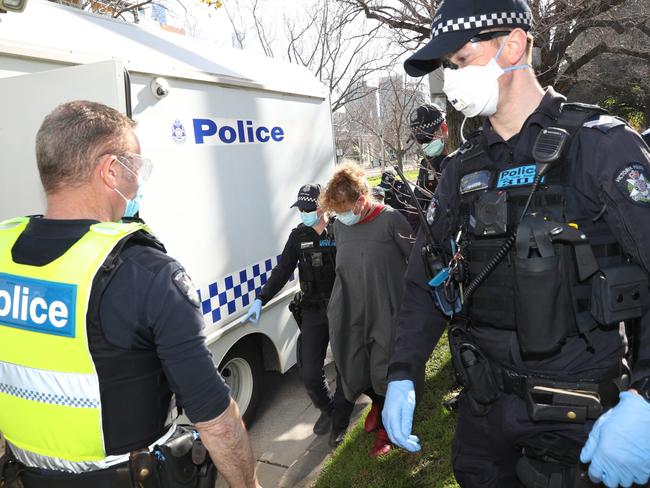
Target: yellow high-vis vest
(50, 403)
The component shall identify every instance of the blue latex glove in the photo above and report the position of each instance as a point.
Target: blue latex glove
(398, 414)
(618, 447)
(254, 310)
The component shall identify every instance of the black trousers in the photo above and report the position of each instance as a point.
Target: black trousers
(312, 348)
(486, 448)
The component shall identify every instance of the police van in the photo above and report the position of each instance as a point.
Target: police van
(232, 135)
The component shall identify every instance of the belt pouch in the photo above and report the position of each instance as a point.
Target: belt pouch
(543, 310)
(175, 466)
(558, 402)
(618, 293)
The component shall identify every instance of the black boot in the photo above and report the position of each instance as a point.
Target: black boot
(324, 422)
(336, 436)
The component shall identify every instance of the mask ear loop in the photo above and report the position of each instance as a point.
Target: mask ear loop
(509, 68)
(462, 129)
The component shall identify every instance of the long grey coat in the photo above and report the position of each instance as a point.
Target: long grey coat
(370, 263)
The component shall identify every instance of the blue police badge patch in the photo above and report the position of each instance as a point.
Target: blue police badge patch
(519, 176)
(431, 211)
(479, 180)
(178, 132)
(632, 181)
(184, 283)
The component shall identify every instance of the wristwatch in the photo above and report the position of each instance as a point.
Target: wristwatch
(642, 386)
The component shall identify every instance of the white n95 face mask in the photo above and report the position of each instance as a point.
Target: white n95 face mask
(474, 90)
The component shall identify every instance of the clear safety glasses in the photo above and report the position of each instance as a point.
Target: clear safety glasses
(138, 166)
(473, 48)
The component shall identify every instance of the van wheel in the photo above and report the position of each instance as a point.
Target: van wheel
(242, 371)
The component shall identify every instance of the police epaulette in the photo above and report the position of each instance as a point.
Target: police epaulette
(144, 238)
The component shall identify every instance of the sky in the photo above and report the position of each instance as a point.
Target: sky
(214, 25)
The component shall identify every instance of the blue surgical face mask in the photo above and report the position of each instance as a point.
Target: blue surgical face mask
(348, 218)
(310, 219)
(433, 148)
(133, 204)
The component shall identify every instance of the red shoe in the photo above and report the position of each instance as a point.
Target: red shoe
(372, 420)
(382, 444)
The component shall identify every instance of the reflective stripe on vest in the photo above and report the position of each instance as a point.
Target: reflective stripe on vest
(50, 402)
(32, 459)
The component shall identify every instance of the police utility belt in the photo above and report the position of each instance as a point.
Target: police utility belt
(547, 398)
(181, 462)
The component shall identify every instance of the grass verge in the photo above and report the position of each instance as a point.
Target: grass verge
(350, 464)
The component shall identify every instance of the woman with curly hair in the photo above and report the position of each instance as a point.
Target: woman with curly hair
(373, 244)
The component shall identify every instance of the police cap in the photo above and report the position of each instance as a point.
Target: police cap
(425, 121)
(307, 198)
(457, 21)
(388, 177)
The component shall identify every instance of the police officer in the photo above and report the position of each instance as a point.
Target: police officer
(312, 247)
(538, 237)
(429, 129)
(105, 326)
(396, 195)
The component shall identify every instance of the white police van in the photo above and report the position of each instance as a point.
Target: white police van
(232, 136)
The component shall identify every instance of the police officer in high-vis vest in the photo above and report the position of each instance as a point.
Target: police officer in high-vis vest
(99, 328)
(312, 247)
(536, 258)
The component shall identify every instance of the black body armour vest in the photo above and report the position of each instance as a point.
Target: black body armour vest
(136, 397)
(493, 197)
(316, 265)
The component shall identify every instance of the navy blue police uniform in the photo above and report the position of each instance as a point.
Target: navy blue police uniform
(145, 328)
(424, 123)
(602, 189)
(315, 256)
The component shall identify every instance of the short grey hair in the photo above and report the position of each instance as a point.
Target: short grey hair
(73, 136)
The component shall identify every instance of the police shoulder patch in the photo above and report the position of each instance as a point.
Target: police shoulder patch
(632, 181)
(184, 283)
(431, 211)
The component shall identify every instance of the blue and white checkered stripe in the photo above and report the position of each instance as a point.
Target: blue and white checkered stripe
(483, 21)
(53, 387)
(236, 291)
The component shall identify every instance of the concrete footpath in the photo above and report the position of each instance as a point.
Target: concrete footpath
(288, 453)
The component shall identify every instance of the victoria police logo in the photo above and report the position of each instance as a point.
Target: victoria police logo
(632, 182)
(431, 211)
(178, 132)
(184, 283)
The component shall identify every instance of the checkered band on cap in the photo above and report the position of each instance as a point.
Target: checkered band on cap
(429, 125)
(305, 198)
(482, 21)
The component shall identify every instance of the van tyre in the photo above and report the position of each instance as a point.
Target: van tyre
(242, 371)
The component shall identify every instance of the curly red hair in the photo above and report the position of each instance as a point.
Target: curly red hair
(344, 188)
